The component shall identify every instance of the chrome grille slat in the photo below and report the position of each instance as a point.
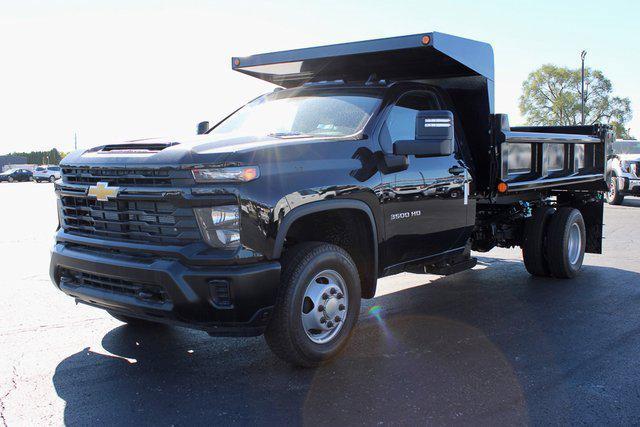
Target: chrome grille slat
(124, 177)
(144, 221)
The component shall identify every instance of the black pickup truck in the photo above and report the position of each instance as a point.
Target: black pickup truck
(369, 159)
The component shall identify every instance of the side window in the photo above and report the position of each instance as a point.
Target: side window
(401, 122)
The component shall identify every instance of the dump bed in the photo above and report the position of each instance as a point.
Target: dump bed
(550, 157)
(525, 158)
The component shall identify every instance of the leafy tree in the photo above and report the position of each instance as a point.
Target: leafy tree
(51, 157)
(551, 96)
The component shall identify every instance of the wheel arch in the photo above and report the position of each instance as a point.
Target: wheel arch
(329, 207)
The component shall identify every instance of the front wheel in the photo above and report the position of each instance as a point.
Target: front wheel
(10, 179)
(318, 304)
(613, 196)
(52, 178)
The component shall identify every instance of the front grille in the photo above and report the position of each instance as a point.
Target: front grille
(129, 220)
(132, 177)
(146, 292)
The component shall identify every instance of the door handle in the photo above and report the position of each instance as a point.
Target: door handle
(456, 170)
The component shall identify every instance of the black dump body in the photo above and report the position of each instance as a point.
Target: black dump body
(546, 157)
(526, 158)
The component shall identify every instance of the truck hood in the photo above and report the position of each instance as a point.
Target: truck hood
(175, 152)
(629, 157)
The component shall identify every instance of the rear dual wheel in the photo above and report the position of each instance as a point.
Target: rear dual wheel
(566, 242)
(533, 245)
(554, 242)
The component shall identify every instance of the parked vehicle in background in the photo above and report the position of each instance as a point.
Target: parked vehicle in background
(46, 173)
(623, 171)
(375, 158)
(13, 175)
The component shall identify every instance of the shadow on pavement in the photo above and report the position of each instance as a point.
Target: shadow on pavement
(631, 202)
(488, 345)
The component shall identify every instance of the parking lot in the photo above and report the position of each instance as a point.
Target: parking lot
(491, 345)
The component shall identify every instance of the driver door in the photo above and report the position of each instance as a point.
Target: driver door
(425, 207)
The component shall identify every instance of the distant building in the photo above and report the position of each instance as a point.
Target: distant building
(6, 162)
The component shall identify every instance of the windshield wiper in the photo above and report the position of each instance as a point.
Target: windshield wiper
(289, 135)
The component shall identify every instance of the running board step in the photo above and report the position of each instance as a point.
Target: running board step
(449, 269)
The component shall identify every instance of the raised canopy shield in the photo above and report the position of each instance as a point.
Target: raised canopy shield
(414, 57)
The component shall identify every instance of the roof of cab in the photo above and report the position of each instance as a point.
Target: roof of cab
(413, 57)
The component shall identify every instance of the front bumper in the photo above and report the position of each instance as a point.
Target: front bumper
(234, 300)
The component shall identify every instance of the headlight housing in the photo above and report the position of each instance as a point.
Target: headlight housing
(230, 174)
(220, 225)
(624, 165)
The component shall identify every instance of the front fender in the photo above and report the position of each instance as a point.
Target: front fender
(320, 206)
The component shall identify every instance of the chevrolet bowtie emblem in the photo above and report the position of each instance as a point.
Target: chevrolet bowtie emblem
(103, 192)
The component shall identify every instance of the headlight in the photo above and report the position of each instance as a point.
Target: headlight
(625, 166)
(232, 174)
(220, 225)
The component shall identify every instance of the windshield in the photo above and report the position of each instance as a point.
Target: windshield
(626, 147)
(302, 115)
(8, 172)
(40, 169)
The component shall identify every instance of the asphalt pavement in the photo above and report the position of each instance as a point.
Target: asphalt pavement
(487, 346)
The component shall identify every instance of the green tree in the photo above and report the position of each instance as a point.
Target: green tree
(551, 96)
(51, 157)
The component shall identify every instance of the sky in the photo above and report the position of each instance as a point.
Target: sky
(116, 70)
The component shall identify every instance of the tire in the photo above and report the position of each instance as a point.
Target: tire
(52, 178)
(134, 321)
(533, 247)
(10, 179)
(308, 271)
(613, 196)
(566, 242)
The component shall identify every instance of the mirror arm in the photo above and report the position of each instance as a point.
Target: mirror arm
(392, 163)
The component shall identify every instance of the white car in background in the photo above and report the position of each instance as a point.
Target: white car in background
(623, 171)
(46, 173)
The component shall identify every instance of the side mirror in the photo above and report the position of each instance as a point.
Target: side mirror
(203, 127)
(434, 135)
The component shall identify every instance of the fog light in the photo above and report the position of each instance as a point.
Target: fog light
(225, 215)
(228, 236)
(220, 225)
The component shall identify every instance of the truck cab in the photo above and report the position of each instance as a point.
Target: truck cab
(623, 171)
(371, 158)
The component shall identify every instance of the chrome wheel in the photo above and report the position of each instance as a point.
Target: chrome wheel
(324, 306)
(575, 243)
(612, 188)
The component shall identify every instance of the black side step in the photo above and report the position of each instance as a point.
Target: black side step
(449, 269)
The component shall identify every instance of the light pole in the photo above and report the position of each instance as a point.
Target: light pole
(582, 56)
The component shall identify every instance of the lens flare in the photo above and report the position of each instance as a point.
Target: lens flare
(375, 310)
